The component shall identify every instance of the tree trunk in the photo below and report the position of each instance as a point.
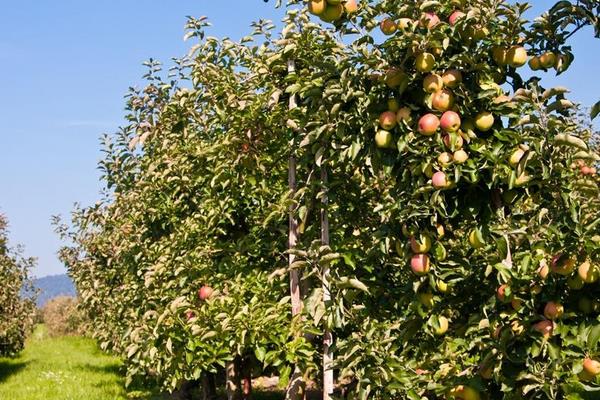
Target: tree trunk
(233, 384)
(328, 336)
(246, 374)
(209, 388)
(297, 387)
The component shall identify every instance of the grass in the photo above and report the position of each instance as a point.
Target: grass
(64, 368)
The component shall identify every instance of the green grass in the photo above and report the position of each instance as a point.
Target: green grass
(64, 368)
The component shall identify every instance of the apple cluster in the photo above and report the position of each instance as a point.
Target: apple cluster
(332, 10)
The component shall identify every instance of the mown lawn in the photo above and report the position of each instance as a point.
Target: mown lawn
(65, 368)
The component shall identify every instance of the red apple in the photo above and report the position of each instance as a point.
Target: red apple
(442, 100)
(544, 327)
(553, 310)
(388, 26)
(592, 367)
(429, 20)
(501, 293)
(420, 264)
(205, 293)
(438, 180)
(454, 17)
(351, 6)
(450, 121)
(387, 120)
(428, 124)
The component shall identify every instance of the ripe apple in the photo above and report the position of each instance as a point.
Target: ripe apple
(516, 56)
(384, 139)
(484, 121)
(429, 20)
(544, 327)
(332, 13)
(442, 100)
(420, 243)
(420, 264)
(547, 60)
(592, 367)
(388, 26)
(442, 326)
(387, 120)
(553, 310)
(588, 273)
(433, 83)
(452, 78)
(403, 114)
(428, 124)
(453, 141)
(543, 270)
(562, 265)
(460, 156)
(516, 157)
(425, 62)
(438, 180)
(476, 239)
(317, 7)
(535, 64)
(499, 54)
(450, 121)
(455, 16)
(351, 6)
(501, 293)
(444, 159)
(205, 293)
(395, 78)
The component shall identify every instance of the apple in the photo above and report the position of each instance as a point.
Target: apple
(420, 264)
(501, 293)
(420, 243)
(317, 7)
(453, 141)
(387, 120)
(486, 372)
(388, 26)
(465, 393)
(438, 180)
(440, 230)
(332, 13)
(384, 139)
(190, 315)
(450, 121)
(442, 100)
(516, 56)
(405, 23)
(452, 78)
(476, 239)
(553, 310)
(592, 367)
(460, 156)
(562, 265)
(547, 60)
(455, 16)
(544, 327)
(543, 270)
(499, 54)
(433, 83)
(535, 64)
(522, 180)
(444, 159)
(205, 293)
(403, 114)
(516, 157)
(395, 78)
(429, 20)
(425, 62)
(575, 282)
(588, 273)
(516, 304)
(442, 286)
(484, 121)
(393, 104)
(428, 124)
(426, 299)
(351, 6)
(441, 327)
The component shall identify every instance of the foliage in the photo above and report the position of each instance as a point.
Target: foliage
(197, 196)
(16, 313)
(62, 317)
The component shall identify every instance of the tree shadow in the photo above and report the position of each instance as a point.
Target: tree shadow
(8, 368)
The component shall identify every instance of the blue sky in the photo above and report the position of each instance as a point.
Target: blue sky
(64, 68)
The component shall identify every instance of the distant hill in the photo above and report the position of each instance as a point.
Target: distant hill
(53, 286)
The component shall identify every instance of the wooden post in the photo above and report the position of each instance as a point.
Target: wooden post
(297, 387)
(328, 336)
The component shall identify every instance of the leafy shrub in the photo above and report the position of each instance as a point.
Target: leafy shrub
(63, 317)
